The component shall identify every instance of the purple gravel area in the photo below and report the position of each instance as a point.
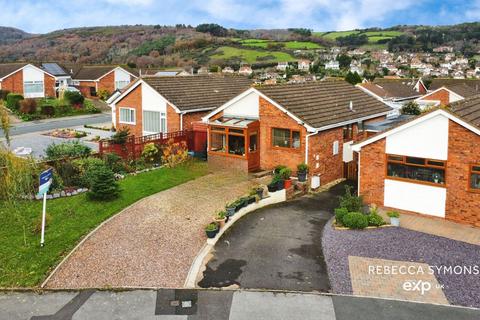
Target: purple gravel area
(404, 245)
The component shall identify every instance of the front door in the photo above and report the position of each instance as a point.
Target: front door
(253, 146)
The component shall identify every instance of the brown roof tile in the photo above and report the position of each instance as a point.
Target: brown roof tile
(468, 109)
(324, 103)
(7, 68)
(95, 72)
(397, 88)
(199, 92)
(440, 82)
(462, 89)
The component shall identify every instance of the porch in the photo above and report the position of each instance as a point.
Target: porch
(233, 143)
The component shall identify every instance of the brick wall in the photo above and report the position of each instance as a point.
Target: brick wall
(49, 86)
(463, 149)
(85, 86)
(14, 83)
(216, 162)
(173, 119)
(372, 172)
(442, 95)
(190, 118)
(321, 159)
(107, 82)
(132, 100)
(272, 117)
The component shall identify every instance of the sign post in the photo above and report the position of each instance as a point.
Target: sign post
(45, 182)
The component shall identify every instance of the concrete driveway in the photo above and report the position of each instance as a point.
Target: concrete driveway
(278, 247)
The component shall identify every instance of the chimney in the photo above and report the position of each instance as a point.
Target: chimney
(351, 105)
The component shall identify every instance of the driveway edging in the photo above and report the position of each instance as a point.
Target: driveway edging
(198, 263)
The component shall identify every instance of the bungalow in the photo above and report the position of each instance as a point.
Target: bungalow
(167, 104)
(429, 165)
(333, 65)
(62, 77)
(91, 79)
(304, 64)
(27, 79)
(282, 65)
(446, 95)
(313, 122)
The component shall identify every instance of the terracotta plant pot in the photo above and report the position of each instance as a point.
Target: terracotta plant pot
(288, 183)
(220, 221)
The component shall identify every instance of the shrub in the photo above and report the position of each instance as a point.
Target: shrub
(355, 220)
(114, 162)
(411, 108)
(47, 110)
(103, 94)
(121, 136)
(150, 152)
(350, 201)
(174, 153)
(285, 173)
(63, 109)
(90, 107)
(375, 220)
(12, 101)
(28, 106)
(67, 149)
(86, 169)
(67, 172)
(73, 97)
(340, 213)
(57, 182)
(278, 168)
(3, 94)
(103, 186)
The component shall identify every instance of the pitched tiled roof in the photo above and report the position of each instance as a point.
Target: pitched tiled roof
(440, 82)
(7, 68)
(95, 72)
(394, 88)
(324, 103)
(199, 92)
(462, 89)
(468, 109)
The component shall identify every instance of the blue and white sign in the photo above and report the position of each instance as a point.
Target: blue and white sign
(46, 178)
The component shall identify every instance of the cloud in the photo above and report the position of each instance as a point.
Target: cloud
(130, 2)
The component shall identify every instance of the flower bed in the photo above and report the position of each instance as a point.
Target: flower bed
(66, 133)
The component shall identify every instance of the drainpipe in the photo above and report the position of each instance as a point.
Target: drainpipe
(181, 121)
(306, 145)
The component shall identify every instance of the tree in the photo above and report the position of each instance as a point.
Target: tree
(344, 61)
(104, 186)
(411, 108)
(301, 31)
(353, 40)
(353, 78)
(212, 28)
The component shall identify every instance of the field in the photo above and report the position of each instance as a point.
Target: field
(250, 55)
(292, 45)
(373, 36)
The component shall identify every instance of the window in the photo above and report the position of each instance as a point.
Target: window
(121, 84)
(127, 115)
(151, 122)
(236, 144)
(285, 138)
(335, 147)
(252, 143)
(348, 132)
(33, 87)
(417, 169)
(361, 126)
(475, 178)
(218, 142)
(228, 140)
(163, 122)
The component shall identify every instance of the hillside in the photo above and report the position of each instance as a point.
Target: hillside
(10, 35)
(210, 44)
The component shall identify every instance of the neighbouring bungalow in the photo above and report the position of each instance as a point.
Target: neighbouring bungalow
(428, 165)
(289, 124)
(167, 104)
(27, 79)
(446, 94)
(62, 77)
(91, 79)
(394, 92)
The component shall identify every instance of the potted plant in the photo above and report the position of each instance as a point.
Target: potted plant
(394, 218)
(285, 173)
(302, 170)
(230, 209)
(221, 218)
(252, 199)
(277, 169)
(272, 186)
(259, 192)
(211, 230)
(280, 182)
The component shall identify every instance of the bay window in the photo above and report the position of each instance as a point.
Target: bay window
(419, 170)
(285, 138)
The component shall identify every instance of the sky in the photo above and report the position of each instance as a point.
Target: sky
(41, 16)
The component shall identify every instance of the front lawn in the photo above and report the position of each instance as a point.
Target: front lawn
(72, 218)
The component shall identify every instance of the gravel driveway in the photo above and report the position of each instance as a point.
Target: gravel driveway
(403, 245)
(153, 242)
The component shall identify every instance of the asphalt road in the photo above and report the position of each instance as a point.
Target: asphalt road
(278, 247)
(171, 304)
(51, 124)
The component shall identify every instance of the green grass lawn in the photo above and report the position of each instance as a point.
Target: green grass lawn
(293, 45)
(250, 55)
(373, 36)
(72, 218)
(306, 45)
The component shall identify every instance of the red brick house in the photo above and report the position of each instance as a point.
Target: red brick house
(429, 165)
(446, 94)
(289, 124)
(91, 79)
(27, 79)
(167, 104)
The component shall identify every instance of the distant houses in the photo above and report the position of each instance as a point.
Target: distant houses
(332, 65)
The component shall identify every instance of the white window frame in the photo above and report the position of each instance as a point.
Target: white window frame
(335, 147)
(36, 94)
(127, 82)
(120, 115)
